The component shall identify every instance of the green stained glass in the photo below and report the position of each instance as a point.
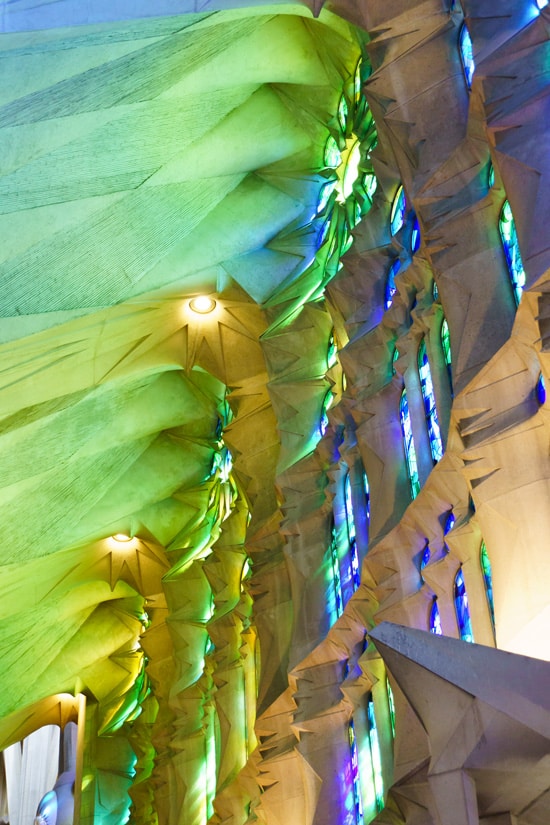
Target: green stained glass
(376, 756)
(343, 113)
(332, 156)
(446, 347)
(391, 703)
(488, 580)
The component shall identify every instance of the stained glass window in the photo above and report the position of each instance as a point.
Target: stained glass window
(415, 236)
(541, 390)
(391, 703)
(426, 556)
(323, 421)
(510, 243)
(446, 347)
(462, 608)
(449, 523)
(435, 619)
(467, 54)
(408, 443)
(366, 490)
(352, 542)
(391, 289)
(488, 579)
(430, 410)
(398, 209)
(491, 176)
(335, 570)
(332, 156)
(375, 755)
(358, 805)
(332, 351)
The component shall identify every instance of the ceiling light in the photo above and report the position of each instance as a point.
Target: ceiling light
(121, 537)
(202, 304)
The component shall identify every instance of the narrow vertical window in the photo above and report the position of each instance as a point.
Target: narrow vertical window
(408, 443)
(487, 579)
(510, 243)
(354, 756)
(352, 539)
(446, 347)
(398, 209)
(435, 619)
(366, 490)
(375, 755)
(466, 54)
(541, 390)
(391, 288)
(462, 608)
(415, 236)
(335, 570)
(430, 410)
(391, 704)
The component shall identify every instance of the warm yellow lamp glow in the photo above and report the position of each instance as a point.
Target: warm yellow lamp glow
(202, 304)
(121, 537)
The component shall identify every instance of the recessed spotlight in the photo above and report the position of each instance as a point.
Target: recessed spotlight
(202, 304)
(122, 537)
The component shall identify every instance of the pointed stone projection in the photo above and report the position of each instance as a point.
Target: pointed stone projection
(487, 717)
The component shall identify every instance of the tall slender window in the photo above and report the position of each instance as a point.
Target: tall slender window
(510, 243)
(366, 490)
(466, 54)
(375, 755)
(352, 538)
(398, 209)
(391, 288)
(435, 619)
(335, 570)
(391, 705)
(354, 756)
(430, 410)
(462, 608)
(487, 579)
(446, 347)
(408, 443)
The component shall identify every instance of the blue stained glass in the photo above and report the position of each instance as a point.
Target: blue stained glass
(366, 489)
(449, 523)
(435, 291)
(426, 556)
(435, 619)
(350, 523)
(391, 289)
(488, 579)
(510, 243)
(446, 347)
(541, 390)
(467, 55)
(491, 176)
(398, 209)
(415, 236)
(430, 410)
(408, 443)
(462, 608)
(358, 804)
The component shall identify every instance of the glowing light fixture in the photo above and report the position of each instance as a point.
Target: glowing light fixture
(202, 304)
(121, 537)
